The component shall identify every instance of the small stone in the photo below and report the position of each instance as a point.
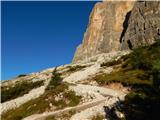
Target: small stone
(50, 104)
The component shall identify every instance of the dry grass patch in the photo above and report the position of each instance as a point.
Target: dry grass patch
(45, 102)
(75, 68)
(127, 78)
(98, 117)
(19, 89)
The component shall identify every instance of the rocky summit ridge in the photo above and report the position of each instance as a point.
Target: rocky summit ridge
(119, 25)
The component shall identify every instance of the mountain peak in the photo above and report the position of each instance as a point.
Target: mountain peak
(113, 23)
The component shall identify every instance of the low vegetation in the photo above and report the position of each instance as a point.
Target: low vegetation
(118, 61)
(75, 68)
(127, 78)
(141, 71)
(21, 75)
(19, 89)
(98, 117)
(55, 81)
(56, 96)
(111, 63)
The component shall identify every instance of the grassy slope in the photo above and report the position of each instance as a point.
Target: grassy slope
(141, 71)
(144, 102)
(42, 104)
(18, 90)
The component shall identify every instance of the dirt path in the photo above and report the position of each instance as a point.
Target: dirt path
(100, 96)
(79, 107)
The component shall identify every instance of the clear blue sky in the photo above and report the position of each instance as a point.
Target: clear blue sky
(40, 35)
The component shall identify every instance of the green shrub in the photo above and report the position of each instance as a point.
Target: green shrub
(156, 74)
(55, 81)
(18, 90)
(135, 97)
(139, 59)
(143, 57)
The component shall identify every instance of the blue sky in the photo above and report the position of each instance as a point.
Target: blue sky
(40, 35)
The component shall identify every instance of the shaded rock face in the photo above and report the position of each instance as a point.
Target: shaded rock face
(104, 29)
(119, 25)
(143, 26)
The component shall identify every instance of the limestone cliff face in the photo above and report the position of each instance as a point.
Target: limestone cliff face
(119, 25)
(143, 25)
(104, 29)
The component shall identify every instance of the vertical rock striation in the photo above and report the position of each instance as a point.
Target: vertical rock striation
(143, 25)
(104, 29)
(119, 25)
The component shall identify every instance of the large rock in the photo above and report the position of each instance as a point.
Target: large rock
(104, 29)
(119, 25)
(143, 25)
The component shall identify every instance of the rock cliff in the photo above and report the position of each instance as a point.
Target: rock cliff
(143, 25)
(119, 25)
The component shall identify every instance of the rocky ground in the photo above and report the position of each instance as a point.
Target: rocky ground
(94, 97)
